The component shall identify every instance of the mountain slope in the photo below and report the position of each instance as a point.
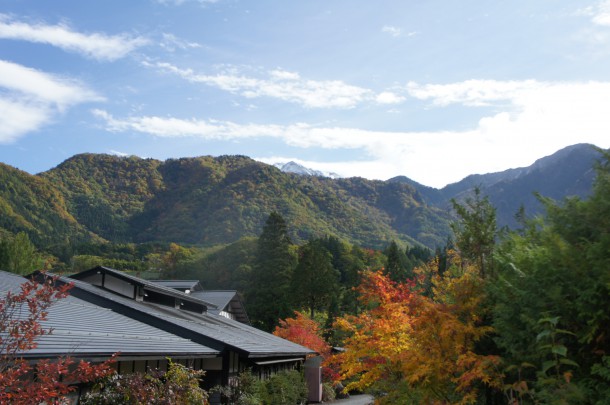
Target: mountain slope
(33, 205)
(216, 200)
(568, 172)
(103, 190)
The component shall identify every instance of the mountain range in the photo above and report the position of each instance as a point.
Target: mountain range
(217, 200)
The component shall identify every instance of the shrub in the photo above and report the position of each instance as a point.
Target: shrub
(284, 388)
(178, 386)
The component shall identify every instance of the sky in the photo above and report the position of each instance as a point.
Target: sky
(433, 90)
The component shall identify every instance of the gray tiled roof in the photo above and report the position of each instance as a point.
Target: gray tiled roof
(255, 342)
(144, 283)
(220, 298)
(241, 337)
(81, 329)
(192, 285)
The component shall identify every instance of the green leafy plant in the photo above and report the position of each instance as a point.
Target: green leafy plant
(285, 388)
(178, 386)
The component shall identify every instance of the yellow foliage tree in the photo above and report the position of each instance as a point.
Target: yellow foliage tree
(421, 346)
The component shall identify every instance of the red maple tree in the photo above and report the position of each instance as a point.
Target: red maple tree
(46, 381)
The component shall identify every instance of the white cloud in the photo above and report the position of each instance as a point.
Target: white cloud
(118, 153)
(472, 92)
(534, 119)
(169, 127)
(393, 31)
(285, 85)
(20, 117)
(43, 87)
(170, 42)
(280, 74)
(388, 97)
(599, 13)
(96, 45)
(397, 32)
(30, 99)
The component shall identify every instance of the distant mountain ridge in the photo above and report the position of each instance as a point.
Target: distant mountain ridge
(567, 172)
(217, 200)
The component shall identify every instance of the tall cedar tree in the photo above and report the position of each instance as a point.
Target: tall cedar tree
(269, 296)
(396, 263)
(21, 382)
(476, 233)
(314, 280)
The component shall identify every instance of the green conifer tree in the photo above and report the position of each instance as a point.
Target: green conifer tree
(314, 280)
(396, 263)
(269, 294)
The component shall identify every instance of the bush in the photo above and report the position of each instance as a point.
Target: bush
(287, 388)
(284, 388)
(178, 386)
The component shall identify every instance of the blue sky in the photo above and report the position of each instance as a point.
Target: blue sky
(433, 90)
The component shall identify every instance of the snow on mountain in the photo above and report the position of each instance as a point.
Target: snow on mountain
(293, 167)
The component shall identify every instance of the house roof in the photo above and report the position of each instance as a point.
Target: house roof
(146, 284)
(254, 342)
(225, 300)
(84, 330)
(220, 298)
(191, 285)
(206, 328)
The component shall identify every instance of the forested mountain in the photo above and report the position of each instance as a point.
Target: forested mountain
(217, 200)
(568, 172)
(31, 204)
(208, 201)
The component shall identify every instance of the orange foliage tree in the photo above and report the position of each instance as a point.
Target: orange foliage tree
(307, 332)
(419, 348)
(47, 381)
(304, 331)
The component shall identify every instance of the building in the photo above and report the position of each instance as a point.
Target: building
(228, 303)
(109, 311)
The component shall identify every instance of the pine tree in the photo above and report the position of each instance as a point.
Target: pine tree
(269, 296)
(396, 263)
(314, 280)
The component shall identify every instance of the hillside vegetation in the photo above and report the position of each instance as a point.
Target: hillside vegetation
(207, 201)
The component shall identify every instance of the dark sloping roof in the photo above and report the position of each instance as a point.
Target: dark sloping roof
(149, 285)
(216, 331)
(245, 338)
(225, 300)
(191, 285)
(229, 301)
(84, 330)
(220, 298)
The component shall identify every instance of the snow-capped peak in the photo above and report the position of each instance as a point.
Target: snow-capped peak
(293, 167)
